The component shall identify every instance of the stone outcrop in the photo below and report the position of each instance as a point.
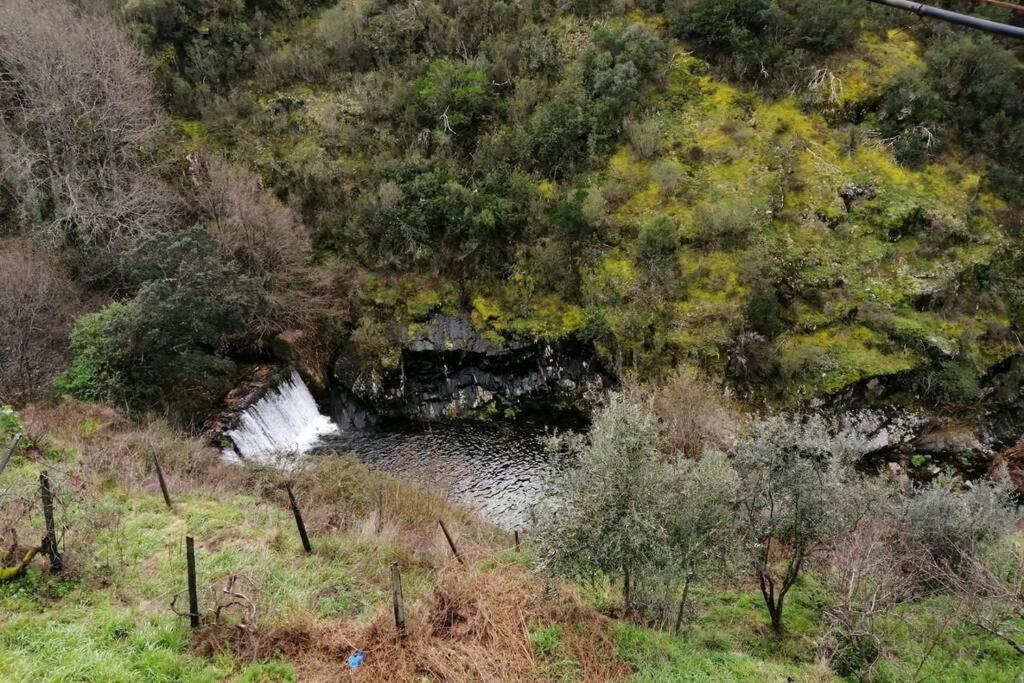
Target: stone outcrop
(451, 370)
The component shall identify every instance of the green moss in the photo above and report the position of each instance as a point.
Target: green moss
(829, 360)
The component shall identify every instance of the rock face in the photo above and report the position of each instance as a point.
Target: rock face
(450, 370)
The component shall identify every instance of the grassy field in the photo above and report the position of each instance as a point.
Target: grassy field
(107, 617)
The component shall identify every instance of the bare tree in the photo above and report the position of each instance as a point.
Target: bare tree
(871, 571)
(989, 592)
(38, 302)
(696, 413)
(250, 223)
(254, 228)
(77, 115)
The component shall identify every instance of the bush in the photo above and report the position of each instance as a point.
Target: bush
(725, 224)
(98, 356)
(657, 250)
(645, 137)
(669, 176)
(164, 348)
(953, 524)
(769, 41)
(253, 229)
(38, 302)
(696, 413)
(453, 98)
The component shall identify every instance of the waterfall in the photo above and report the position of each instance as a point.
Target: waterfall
(285, 420)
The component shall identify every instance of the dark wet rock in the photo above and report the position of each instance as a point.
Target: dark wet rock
(450, 370)
(851, 193)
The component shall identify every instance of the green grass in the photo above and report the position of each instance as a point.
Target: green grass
(660, 658)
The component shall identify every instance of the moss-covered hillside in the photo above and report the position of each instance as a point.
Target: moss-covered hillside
(703, 222)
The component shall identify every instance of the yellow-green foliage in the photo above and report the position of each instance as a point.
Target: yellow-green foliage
(723, 148)
(786, 165)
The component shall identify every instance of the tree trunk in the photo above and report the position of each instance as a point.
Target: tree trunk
(682, 604)
(775, 611)
(627, 593)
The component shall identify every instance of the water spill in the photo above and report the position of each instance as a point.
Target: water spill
(285, 420)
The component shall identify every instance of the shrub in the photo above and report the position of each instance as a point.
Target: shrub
(768, 41)
(953, 524)
(98, 355)
(644, 137)
(453, 98)
(164, 348)
(697, 414)
(668, 175)
(38, 302)
(657, 249)
(255, 230)
(724, 224)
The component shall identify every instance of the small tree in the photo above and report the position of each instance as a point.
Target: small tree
(609, 518)
(798, 493)
(954, 526)
(701, 521)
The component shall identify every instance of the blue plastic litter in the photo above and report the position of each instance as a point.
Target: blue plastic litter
(354, 661)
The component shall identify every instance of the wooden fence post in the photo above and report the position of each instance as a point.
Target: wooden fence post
(516, 534)
(397, 600)
(56, 561)
(10, 451)
(298, 520)
(193, 592)
(380, 510)
(451, 543)
(160, 479)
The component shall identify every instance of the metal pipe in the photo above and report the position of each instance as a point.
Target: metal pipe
(924, 10)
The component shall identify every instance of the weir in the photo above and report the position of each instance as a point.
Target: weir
(285, 420)
(499, 471)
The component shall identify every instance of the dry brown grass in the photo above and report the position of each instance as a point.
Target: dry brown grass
(472, 627)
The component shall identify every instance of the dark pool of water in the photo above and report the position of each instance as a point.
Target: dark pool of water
(498, 470)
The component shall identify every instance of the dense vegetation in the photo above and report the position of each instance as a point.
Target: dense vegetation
(736, 203)
(815, 197)
(675, 561)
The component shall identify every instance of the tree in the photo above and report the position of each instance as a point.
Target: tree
(165, 347)
(38, 302)
(798, 493)
(78, 115)
(765, 40)
(252, 228)
(701, 521)
(610, 515)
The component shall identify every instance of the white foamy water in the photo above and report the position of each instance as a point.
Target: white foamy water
(285, 421)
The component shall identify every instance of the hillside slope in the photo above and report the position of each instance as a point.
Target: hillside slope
(107, 617)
